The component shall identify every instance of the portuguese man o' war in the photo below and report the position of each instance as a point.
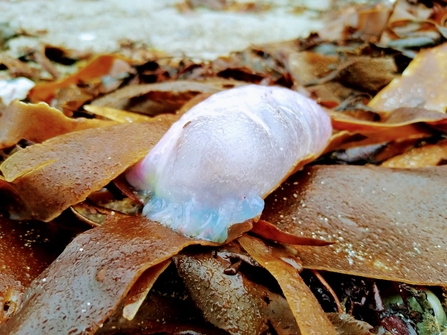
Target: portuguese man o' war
(217, 163)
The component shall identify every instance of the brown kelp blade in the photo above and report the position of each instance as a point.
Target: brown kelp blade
(164, 97)
(141, 288)
(38, 122)
(98, 67)
(223, 298)
(64, 170)
(422, 84)
(305, 307)
(78, 291)
(388, 223)
(400, 125)
(117, 115)
(398, 118)
(268, 231)
(27, 248)
(427, 155)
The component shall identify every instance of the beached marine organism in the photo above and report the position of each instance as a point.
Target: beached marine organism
(214, 166)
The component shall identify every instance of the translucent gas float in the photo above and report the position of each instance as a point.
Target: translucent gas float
(217, 163)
